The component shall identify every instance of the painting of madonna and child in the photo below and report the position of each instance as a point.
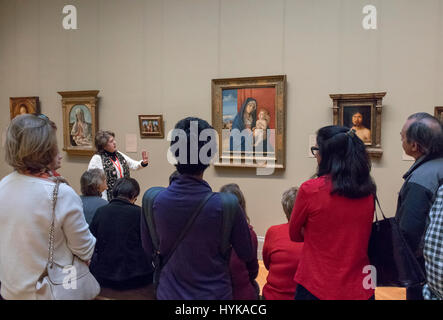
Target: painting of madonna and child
(249, 122)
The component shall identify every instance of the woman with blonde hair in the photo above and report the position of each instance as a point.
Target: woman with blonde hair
(26, 211)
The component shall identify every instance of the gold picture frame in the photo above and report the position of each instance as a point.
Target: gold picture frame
(363, 112)
(257, 148)
(23, 105)
(151, 126)
(80, 121)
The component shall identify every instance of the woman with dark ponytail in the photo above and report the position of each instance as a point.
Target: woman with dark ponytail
(333, 216)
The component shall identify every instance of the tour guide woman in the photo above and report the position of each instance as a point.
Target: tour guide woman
(115, 164)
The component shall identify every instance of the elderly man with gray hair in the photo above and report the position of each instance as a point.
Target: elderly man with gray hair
(422, 139)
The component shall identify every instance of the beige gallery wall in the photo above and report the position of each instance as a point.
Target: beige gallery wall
(159, 56)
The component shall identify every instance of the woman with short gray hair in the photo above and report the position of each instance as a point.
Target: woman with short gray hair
(281, 255)
(92, 184)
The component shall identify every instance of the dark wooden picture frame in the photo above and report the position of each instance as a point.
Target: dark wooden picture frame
(151, 126)
(80, 121)
(369, 105)
(23, 105)
(439, 113)
(229, 101)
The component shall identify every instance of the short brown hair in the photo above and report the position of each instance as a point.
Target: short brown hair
(90, 182)
(31, 144)
(287, 201)
(101, 139)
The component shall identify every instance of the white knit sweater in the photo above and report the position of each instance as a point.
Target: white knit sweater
(25, 219)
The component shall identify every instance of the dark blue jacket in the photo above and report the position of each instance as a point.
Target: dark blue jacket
(118, 255)
(197, 270)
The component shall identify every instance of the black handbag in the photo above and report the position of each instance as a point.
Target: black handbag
(391, 256)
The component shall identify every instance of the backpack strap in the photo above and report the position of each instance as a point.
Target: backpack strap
(230, 209)
(148, 212)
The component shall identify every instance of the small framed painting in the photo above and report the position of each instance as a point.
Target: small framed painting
(151, 126)
(361, 112)
(23, 105)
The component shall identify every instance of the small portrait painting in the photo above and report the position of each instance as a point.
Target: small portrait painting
(359, 119)
(23, 105)
(80, 123)
(151, 126)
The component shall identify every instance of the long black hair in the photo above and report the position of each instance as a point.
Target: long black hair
(345, 159)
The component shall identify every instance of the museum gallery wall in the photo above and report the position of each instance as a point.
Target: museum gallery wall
(159, 58)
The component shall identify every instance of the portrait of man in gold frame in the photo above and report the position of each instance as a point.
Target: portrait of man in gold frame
(361, 112)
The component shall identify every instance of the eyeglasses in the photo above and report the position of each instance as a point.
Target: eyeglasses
(314, 151)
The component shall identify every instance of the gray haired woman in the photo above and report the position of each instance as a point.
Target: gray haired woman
(92, 184)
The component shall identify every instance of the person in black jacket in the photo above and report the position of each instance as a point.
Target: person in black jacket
(119, 261)
(422, 139)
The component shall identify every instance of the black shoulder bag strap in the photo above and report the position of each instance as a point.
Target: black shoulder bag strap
(186, 228)
(147, 207)
(230, 209)
(148, 202)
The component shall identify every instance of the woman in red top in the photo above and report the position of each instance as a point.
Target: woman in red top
(281, 255)
(333, 214)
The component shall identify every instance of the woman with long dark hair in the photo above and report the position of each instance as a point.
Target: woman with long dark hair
(333, 214)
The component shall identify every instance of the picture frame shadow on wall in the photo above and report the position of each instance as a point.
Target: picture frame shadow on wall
(23, 105)
(151, 126)
(80, 121)
(439, 113)
(361, 112)
(249, 115)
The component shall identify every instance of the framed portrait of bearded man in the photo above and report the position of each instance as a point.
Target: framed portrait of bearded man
(362, 113)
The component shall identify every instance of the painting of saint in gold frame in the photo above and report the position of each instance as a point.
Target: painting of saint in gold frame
(23, 105)
(80, 121)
